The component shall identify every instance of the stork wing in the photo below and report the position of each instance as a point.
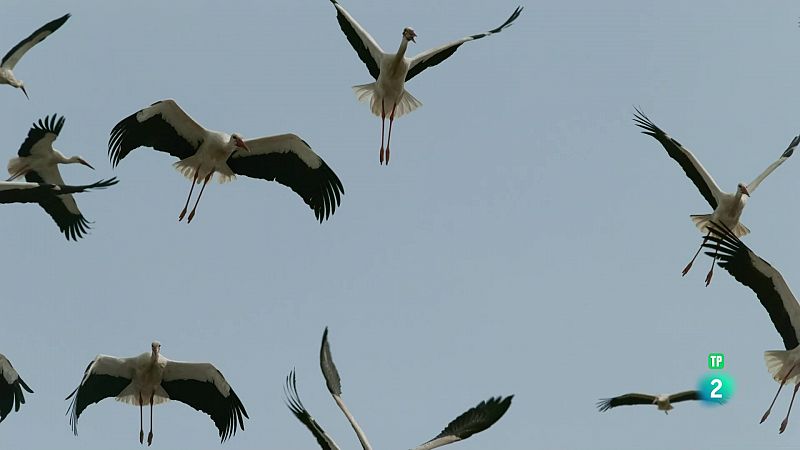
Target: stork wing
(106, 376)
(202, 386)
(684, 396)
(368, 50)
(786, 154)
(628, 399)
(694, 170)
(39, 141)
(296, 406)
(767, 283)
(475, 420)
(290, 161)
(21, 192)
(13, 56)
(163, 126)
(436, 55)
(63, 208)
(11, 386)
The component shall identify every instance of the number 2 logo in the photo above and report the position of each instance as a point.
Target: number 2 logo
(715, 392)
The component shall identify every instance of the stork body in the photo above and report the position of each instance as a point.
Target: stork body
(727, 207)
(775, 296)
(11, 58)
(473, 421)
(11, 386)
(151, 379)
(663, 402)
(285, 158)
(387, 96)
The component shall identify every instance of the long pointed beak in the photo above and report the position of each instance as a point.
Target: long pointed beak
(414, 39)
(244, 146)
(25, 92)
(87, 164)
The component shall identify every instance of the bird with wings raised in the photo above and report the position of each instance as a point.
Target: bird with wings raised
(775, 296)
(11, 386)
(663, 402)
(727, 207)
(284, 158)
(387, 96)
(474, 420)
(15, 54)
(151, 379)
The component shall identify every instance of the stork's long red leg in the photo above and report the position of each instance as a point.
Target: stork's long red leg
(786, 420)
(183, 213)
(689, 266)
(713, 261)
(141, 420)
(766, 414)
(383, 126)
(205, 182)
(389, 139)
(150, 436)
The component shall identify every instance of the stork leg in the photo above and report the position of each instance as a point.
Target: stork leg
(383, 126)
(786, 420)
(205, 182)
(713, 261)
(141, 420)
(389, 138)
(183, 213)
(150, 436)
(689, 266)
(766, 414)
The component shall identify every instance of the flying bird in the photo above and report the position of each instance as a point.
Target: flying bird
(387, 95)
(22, 192)
(284, 158)
(727, 207)
(11, 386)
(663, 402)
(775, 296)
(38, 162)
(475, 420)
(15, 54)
(150, 379)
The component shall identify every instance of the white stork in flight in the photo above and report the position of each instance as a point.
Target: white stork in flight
(150, 379)
(38, 162)
(387, 95)
(727, 207)
(475, 420)
(15, 54)
(284, 158)
(663, 402)
(11, 386)
(21, 192)
(775, 296)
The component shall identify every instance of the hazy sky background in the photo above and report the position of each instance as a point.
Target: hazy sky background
(526, 239)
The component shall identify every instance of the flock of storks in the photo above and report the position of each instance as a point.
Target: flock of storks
(150, 378)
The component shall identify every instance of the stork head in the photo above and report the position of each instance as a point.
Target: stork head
(156, 347)
(238, 142)
(743, 189)
(79, 160)
(409, 34)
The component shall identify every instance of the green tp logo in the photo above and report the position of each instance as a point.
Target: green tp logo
(716, 361)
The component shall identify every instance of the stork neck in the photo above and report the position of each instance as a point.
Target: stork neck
(401, 52)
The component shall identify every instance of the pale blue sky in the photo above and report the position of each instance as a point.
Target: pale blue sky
(525, 239)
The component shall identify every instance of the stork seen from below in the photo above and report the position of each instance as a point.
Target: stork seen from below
(15, 54)
(284, 158)
(150, 379)
(663, 402)
(473, 421)
(727, 207)
(387, 96)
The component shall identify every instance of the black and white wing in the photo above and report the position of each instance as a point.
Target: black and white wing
(475, 420)
(106, 376)
(62, 208)
(694, 170)
(21, 192)
(767, 283)
(291, 162)
(685, 396)
(163, 126)
(41, 136)
(626, 400)
(368, 50)
(784, 156)
(296, 406)
(13, 56)
(436, 55)
(11, 386)
(202, 386)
